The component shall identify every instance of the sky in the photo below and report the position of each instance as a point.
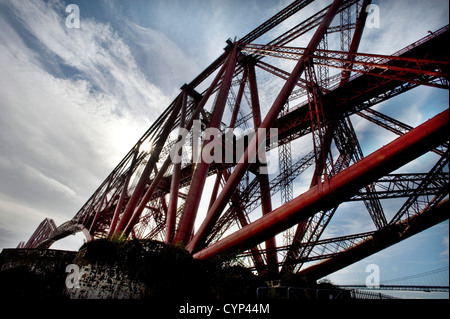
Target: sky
(73, 101)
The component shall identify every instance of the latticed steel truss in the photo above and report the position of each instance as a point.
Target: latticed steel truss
(203, 191)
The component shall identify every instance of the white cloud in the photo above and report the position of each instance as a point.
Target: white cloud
(96, 51)
(402, 23)
(159, 57)
(73, 103)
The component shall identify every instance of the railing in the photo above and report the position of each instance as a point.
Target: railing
(298, 293)
(399, 287)
(358, 294)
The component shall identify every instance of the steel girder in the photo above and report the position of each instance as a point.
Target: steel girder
(343, 185)
(149, 196)
(380, 240)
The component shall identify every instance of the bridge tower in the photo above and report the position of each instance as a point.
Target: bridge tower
(268, 114)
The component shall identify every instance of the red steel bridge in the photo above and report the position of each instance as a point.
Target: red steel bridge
(311, 94)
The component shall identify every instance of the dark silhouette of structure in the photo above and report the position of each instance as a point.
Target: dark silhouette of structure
(150, 195)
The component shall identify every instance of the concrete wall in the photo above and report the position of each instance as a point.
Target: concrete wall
(44, 273)
(37, 261)
(105, 282)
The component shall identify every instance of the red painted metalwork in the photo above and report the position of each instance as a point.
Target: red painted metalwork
(266, 203)
(341, 186)
(175, 184)
(140, 187)
(198, 179)
(380, 240)
(123, 194)
(359, 28)
(268, 122)
(148, 196)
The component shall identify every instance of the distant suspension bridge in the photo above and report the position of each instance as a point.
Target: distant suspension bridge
(436, 280)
